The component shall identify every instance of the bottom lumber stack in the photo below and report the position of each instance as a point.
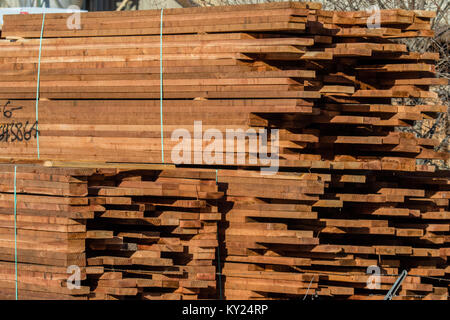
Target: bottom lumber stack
(329, 232)
(263, 243)
(146, 234)
(331, 243)
(48, 233)
(156, 236)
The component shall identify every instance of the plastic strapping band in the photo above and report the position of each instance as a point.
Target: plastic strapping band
(161, 85)
(220, 269)
(38, 82)
(306, 294)
(15, 229)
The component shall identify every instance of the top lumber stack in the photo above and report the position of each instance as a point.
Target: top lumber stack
(324, 79)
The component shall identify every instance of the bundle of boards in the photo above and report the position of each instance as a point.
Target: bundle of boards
(116, 90)
(350, 197)
(339, 234)
(150, 234)
(187, 233)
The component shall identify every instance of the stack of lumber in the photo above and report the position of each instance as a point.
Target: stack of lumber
(145, 234)
(289, 66)
(322, 241)
(157, 235)
(260, 220)
(51, 214)
(153, 234)
(349, 193)
(117, 56)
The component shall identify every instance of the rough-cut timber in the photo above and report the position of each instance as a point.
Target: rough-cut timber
(148, 234)
(158, 234)
(349, 193)
(322, 84)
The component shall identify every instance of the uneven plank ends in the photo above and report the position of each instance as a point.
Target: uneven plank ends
(157, 235)
(100, 86)
(330, 240)
(145, 233)
(250, 152)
